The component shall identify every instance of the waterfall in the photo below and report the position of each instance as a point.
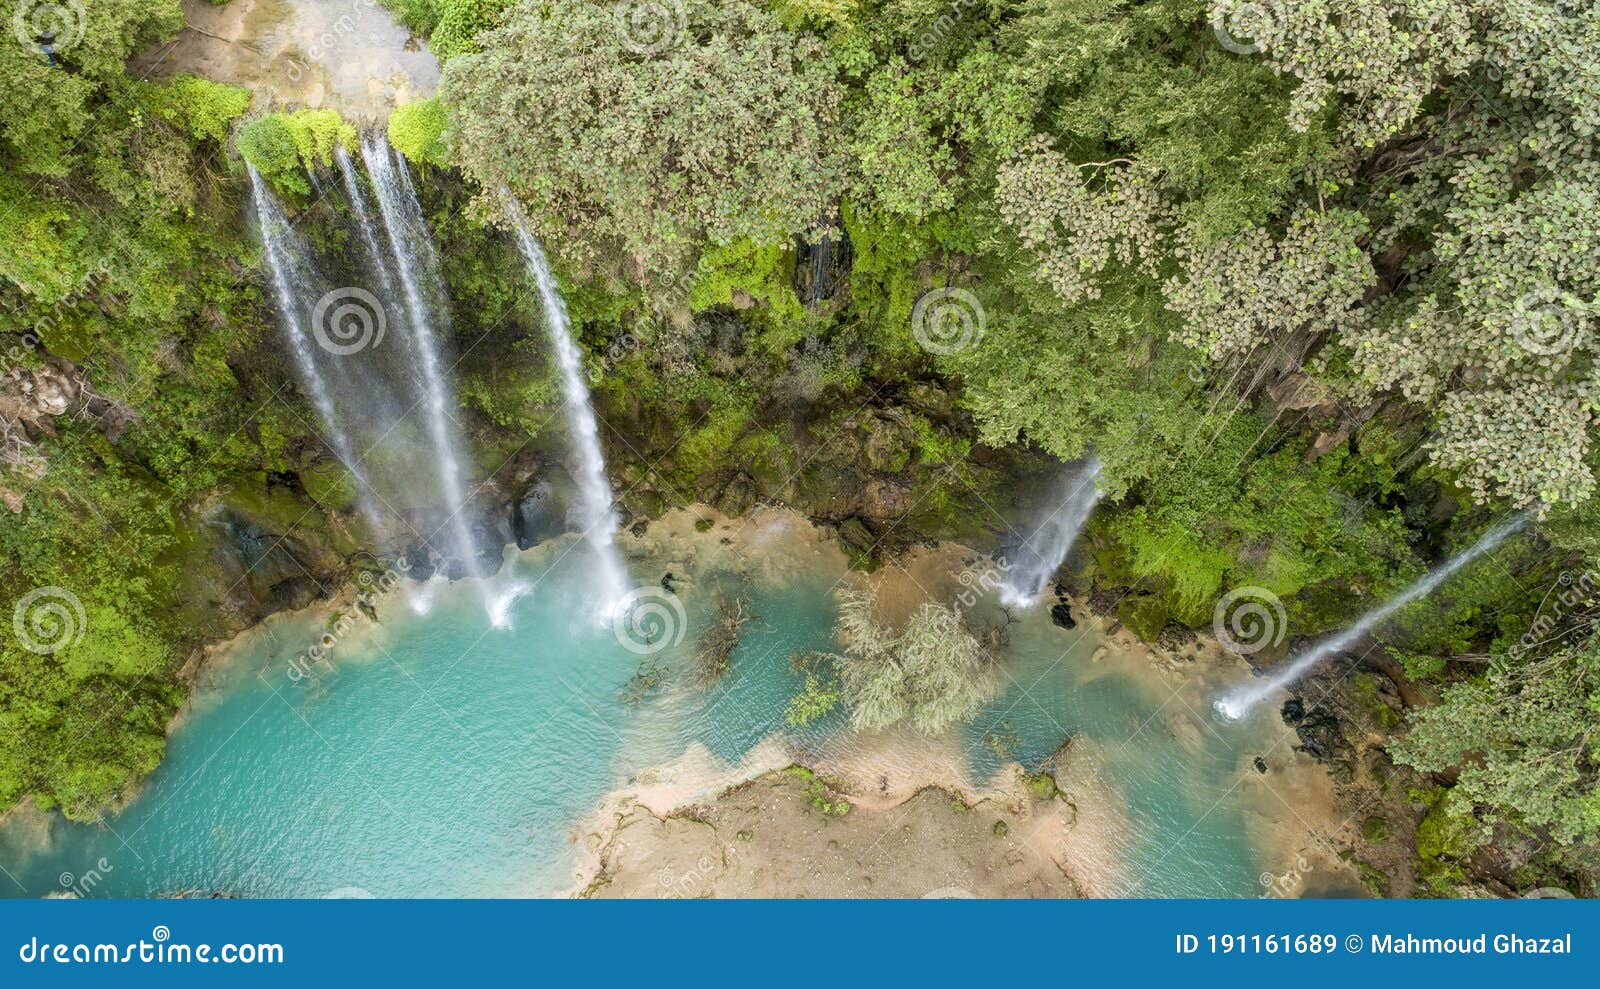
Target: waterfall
(599, 519)
(369, 231)
(1042, 554)
(293, 286)
(416, 269)
(1242, 701)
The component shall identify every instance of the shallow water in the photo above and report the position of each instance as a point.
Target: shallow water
(345, 54)
(443, 757)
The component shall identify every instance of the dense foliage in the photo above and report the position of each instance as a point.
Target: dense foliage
(120, 311)
(1316, 282)
(718, 135)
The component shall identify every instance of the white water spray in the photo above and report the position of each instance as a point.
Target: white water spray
(292, 282)
(599, 518)
(415, 260)
(1242, 701)
(369, 231)
(1043, 553)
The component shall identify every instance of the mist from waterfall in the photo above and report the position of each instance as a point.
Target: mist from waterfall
(294, 279)
(389, 410)
(1241, 701)
(599, 520)
(1043, 552)
(415, 267)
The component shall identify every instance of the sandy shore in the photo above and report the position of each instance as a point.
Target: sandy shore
(894, 814)
(791, 831)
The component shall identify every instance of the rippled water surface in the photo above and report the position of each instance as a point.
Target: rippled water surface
(447, 758)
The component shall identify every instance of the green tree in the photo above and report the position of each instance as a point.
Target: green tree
(1524, 741)
(647, 145)
(933, 673)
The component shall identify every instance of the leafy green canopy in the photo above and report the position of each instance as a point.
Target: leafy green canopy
(1524, 738)
(119, 255)
(623, 144)
(417, 131)
(285, 146)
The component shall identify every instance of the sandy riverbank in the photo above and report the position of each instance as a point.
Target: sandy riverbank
(916, 823)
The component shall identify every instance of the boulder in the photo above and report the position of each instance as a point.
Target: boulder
(1061, 614)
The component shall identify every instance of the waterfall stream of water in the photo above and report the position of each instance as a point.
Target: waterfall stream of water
(293, 280)
(416, 271)
(599, 518)
(1243, 700)
(1043, 552)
